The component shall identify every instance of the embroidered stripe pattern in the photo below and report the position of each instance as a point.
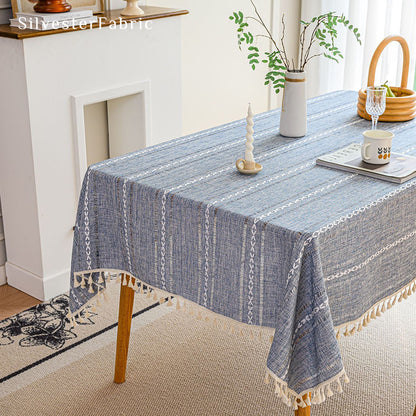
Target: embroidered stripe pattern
(206, 268)
(214, 240)
(261, 157)
(126, 233)
(243, 261)
(87, 223)
(308, 317)
(251, 264)
(163, 242)
(309, 195)
(372, 257)
(261, 283)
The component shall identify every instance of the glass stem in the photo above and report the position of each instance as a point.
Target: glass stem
(374, 120)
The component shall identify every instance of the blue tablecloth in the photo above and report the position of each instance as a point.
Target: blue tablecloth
(299, 248)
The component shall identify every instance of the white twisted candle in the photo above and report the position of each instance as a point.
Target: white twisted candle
(249, 136)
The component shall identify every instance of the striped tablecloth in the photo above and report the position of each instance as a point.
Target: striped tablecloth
(299, 248)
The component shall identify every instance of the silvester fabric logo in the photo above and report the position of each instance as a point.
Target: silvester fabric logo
(73, 23)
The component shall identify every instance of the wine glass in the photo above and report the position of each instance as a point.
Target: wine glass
(375, 104)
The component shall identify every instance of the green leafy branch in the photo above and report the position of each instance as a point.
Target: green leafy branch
(321, 30)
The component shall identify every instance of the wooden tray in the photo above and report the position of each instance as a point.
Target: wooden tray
(399, 108)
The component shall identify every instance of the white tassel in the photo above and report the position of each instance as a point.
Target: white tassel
(322, 394)
(90, 281)
(100, 278)
(338, 336)
(329, 392)
(308, 400)
(118, 278)
(267, 379)
(130, 284)
(76, 283)
(91, 290)
(339, 387)
(294, 404)
(383, 308)
(82, 282)
(346, 379)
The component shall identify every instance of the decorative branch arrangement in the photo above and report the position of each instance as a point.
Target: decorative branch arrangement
(321, 30)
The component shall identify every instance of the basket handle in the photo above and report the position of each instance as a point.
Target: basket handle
(376, 56)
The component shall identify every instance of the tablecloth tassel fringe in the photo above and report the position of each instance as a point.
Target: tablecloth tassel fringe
(315, 396)
(76, 282)
(376, 311)
(130, 283)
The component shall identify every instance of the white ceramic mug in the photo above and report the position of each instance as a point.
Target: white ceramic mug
(376, 148)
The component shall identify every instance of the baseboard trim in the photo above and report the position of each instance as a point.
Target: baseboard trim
(3, 279)
(42, 288)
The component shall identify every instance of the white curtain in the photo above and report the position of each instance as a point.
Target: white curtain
(375, 19)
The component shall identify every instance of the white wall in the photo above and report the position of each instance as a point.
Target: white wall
(2, 252)
(217, 80)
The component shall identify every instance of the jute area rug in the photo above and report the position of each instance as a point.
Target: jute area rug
(181, 366)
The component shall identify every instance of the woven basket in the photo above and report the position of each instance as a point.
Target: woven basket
(399, 108)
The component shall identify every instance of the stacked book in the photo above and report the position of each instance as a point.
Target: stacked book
(51, 21)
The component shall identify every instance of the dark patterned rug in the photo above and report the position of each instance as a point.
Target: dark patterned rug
(43, 332)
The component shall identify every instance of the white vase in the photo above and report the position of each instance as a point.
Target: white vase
(293, 116)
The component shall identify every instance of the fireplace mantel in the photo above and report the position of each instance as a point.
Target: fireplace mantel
(44, 81)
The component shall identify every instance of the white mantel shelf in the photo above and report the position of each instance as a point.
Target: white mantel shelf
(107, 18)
(45, 81)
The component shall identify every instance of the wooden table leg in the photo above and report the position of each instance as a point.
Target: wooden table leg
(303, 411)
(123, 332)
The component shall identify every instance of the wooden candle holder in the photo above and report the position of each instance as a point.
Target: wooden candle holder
(52, 6)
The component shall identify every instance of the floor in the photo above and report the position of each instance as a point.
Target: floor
(13, 301)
